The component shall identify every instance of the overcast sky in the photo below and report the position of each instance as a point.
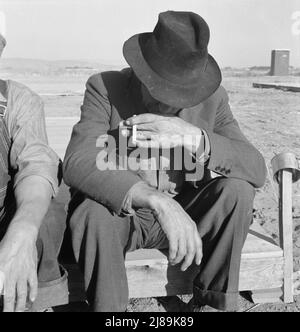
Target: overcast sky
(243, 31)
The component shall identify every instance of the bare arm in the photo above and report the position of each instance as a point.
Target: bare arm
(33, 195)
(18, 252)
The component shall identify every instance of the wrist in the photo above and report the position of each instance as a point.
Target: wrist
(193, 139)
(142, 195)
(22, 230)
(157, 201)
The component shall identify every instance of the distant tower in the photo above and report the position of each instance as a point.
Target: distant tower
(280, 63)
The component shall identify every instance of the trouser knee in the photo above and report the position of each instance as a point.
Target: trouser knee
(236, 192)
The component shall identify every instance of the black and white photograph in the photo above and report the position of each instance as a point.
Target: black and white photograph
(150, 158)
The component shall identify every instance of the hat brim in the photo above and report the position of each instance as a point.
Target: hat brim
(170, 93)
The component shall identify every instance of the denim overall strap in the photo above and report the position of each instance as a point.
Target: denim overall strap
(5, 145)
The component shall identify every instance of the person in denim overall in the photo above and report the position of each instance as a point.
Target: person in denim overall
(31, 231)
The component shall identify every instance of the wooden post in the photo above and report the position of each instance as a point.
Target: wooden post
(286, 231)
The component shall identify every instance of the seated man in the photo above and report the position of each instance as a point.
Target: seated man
(169, 103)
(30, 238)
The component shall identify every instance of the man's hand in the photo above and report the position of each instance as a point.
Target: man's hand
(184, 239)
(185, 243)
(156, 131)
(18, 268)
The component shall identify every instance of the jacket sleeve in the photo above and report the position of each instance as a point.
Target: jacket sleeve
(232, 155)
(106, 186)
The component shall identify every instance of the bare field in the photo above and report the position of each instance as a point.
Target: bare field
(269, 118)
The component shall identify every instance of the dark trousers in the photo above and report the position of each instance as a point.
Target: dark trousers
(53, 281)
(222, 209)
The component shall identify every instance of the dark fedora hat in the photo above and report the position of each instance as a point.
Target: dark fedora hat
(173, 60)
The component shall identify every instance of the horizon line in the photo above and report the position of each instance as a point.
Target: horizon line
(115, 64)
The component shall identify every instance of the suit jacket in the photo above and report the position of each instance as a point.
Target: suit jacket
(111, 97)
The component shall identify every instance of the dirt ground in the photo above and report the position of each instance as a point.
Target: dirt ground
(269, 118)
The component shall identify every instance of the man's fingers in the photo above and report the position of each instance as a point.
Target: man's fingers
(22, 292)
(146, 135)
(140, 134)
(157, 141)
(140, 119)
(33, 287)
(173, 248)
(146, 144)
(10, 296)
(126, 132)
(191, 251)
(199, 249)
(147, 127)
(182, 250)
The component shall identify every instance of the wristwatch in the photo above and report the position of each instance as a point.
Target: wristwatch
(205, 154)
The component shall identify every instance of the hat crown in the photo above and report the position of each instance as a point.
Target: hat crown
(185, 29)
(173, 61)
(177, 48)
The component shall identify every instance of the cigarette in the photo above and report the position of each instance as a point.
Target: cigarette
(134, 133)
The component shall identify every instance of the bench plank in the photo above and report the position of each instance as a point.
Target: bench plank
(149, 273)
(156, 278)
(258, 245)
(59, 133)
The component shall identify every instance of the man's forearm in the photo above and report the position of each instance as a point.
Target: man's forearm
(33, 196)
(142, 196)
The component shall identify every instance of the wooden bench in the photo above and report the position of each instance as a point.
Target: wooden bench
(266, 269)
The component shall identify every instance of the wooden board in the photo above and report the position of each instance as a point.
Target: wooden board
(59, 132)
(278, 86)
(267, 296)
(151, 278)
(258, 245)
(149, 273)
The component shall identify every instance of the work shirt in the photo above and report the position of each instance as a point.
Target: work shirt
(25, 149)
(112, 97)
